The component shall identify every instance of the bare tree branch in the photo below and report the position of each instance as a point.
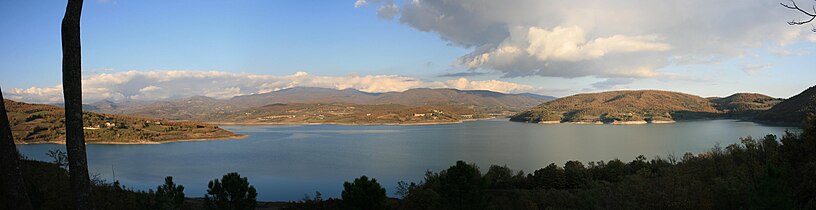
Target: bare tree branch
(793, 6)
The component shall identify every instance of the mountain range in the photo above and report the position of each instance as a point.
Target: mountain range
(201, 107)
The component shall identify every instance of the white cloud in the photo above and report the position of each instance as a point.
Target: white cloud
(388, 11)
(493, 85)
(158, 85)
(752, 69)
(569, 44)
(360, 3)
(44, 94)
(605, 39)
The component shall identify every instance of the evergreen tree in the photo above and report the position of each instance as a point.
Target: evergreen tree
(363, 194)
(232, 192)
(169, 195)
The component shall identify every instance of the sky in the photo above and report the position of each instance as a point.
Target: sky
(159, 50)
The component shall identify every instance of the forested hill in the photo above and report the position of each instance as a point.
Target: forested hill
(793, 110)
(643, 106)
(39, 123)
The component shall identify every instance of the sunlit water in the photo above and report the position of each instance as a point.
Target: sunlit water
(286, 162)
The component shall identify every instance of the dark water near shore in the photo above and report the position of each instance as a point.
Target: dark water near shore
(286, 162)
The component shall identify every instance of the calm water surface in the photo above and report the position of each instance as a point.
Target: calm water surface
(286, 162)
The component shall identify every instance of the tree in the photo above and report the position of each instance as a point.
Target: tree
(549, 177)
(461, 186)
(363, 194)
(13, 188)
(169, 195)
(793, 6)
(72, 91)
(499, 177)
(575, 174)
(232, 192)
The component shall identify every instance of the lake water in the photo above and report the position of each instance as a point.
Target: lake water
(286, 162)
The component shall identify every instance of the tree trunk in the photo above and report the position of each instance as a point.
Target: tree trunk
(72, 89)
(13, 192)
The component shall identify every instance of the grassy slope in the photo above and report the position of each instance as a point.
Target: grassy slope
(39, 123)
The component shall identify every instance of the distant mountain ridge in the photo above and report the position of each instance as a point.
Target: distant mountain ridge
(644, 106)
(198, 107)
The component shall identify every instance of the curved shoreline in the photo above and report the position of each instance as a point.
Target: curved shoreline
(221, 138)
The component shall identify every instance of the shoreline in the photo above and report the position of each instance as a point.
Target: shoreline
(638, 122)
(346, 124)
(222, 138)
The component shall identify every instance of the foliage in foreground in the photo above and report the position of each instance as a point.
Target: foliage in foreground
(766, 173)
(364, 194)
(232, 192)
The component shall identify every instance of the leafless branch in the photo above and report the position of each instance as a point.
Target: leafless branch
(793, 6)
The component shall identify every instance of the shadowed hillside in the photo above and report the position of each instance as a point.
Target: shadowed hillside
(793, 110)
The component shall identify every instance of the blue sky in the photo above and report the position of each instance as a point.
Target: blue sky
(360, 44)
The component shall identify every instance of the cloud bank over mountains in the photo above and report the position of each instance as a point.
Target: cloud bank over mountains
(158, 85)
(605, 39)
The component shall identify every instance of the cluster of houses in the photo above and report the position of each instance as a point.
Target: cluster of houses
(95, 127)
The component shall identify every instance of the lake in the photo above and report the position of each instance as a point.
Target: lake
(286, 162)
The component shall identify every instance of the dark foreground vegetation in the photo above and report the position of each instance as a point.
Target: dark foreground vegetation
(766, 173)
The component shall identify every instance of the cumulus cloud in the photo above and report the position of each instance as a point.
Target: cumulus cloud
(160, 85)
(493, 85)
(360, 3)
(388, 11)
(605, 39)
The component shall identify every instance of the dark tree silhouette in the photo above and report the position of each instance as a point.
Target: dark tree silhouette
(363, 194)
(232, 192)
(13, 192)
(72, 89)
(169, 195)
(811, 14)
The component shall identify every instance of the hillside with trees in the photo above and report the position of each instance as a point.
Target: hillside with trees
(619, 106)
(793, 110)
(40, 123)
(642, 106)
